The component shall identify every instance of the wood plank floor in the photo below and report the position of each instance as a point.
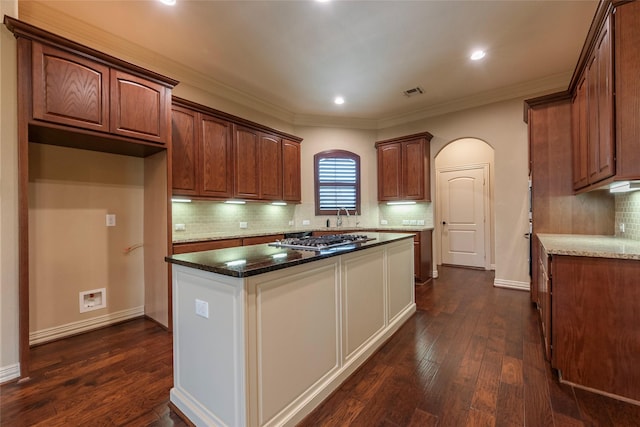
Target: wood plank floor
(472, 355)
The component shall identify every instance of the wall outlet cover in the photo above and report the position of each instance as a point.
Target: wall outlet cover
(202, 308)
(243, 224)
(306, 222)
(384, 222)
(181, 227)
(111, 220)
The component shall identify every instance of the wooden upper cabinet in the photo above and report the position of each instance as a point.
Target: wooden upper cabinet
(270, 167)
(390, 172)
(246, 151)
(139, 107)
(291, 191)
(579, 126)
(404, 168)
(72, 90)
(220, 156)
(600, 107)
(69, 89)
(216, 164)
(185, 150)
(415, 169)
(201, 158)
(627, 84)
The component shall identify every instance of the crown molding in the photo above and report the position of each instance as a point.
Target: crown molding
(37, 13)
(553, 83)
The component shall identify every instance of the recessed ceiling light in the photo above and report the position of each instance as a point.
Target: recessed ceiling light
(168, 2)
(323, 1)
(477, 55)
(339, 100)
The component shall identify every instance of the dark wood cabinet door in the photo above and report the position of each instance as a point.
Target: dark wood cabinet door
(579, 135)
(270, 167)
(600, 108)
(414, 170)
(139, 108)
(184, 154)
(215, 161)
(291, 188)
(246, 151)
(389, 172)
(69, 89)
(627, 108)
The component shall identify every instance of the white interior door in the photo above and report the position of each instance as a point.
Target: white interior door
(463, 194)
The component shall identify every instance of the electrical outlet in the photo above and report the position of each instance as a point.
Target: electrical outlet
(202, 308)
(243, 224)
(111, 220)
(306, 222)
(291, 222)
(181, 227)
(384, 222)
(621, 226)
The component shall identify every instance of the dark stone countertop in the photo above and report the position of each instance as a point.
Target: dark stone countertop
(245, 261)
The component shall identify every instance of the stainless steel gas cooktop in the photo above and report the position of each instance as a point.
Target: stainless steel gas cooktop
(319, 243)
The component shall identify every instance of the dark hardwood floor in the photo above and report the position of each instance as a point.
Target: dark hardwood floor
(472, 355)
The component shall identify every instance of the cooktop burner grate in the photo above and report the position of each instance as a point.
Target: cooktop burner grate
(321, 242)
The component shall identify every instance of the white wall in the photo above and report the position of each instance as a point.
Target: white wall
(501, 125)
(9, 357)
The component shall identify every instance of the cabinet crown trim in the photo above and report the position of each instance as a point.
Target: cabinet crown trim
(21, 29)
(425, 135)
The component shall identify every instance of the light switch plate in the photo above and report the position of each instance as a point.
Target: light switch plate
(306, 222)
(202, 308)
(181, 227)
(384, 222)
(111, 220)
(243, 224)
(421, 222)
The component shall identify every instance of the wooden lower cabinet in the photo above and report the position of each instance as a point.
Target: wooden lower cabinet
(423, 268)
(183, 248)
(595, 323)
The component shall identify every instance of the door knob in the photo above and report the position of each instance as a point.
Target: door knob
(444, 222)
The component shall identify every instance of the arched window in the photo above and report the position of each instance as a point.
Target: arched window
(337, 181)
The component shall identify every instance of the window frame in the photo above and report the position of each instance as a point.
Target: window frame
(344, 154)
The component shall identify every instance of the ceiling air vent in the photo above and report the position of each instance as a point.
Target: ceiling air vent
(413, 91)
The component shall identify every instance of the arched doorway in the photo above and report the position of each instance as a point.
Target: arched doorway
(464, 226)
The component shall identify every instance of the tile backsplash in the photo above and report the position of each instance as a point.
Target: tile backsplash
(628, 213)
(202, 219)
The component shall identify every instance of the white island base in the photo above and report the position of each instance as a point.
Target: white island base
(275, 345)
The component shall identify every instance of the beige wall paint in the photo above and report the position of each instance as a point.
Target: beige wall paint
(71, 249)
(464, 152)
(361, 142)
(501, 126)
(9, 356)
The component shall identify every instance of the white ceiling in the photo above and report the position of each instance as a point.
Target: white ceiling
(298, 55)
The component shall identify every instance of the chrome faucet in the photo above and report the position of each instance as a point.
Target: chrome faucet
(339, 218)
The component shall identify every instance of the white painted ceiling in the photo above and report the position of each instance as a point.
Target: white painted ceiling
(298, 55)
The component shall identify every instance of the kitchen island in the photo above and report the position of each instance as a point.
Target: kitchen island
(263, 334)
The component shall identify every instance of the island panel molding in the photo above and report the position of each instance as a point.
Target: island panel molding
(281, 340)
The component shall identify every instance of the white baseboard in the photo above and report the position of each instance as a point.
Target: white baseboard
(10, 372)
(434, 274)
(511, 284)
(57, 332)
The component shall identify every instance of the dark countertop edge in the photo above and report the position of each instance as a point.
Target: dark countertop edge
(399, 229)
(274, 267)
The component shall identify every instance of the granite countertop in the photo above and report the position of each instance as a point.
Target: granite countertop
(245, 261)
(337, 230)
(590, 246)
